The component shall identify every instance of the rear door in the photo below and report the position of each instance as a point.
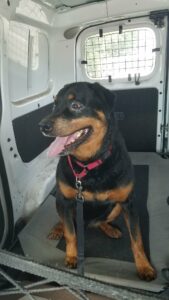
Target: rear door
(129, 57)
(26, 97)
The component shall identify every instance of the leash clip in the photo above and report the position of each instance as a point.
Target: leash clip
(79, 195)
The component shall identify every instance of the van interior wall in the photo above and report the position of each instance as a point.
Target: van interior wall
(62, 70)
(62, 59)
(31, 175)
(26, 185)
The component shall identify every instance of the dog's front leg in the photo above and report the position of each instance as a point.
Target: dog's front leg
(144, 268)
(71, 240)
(65, 209)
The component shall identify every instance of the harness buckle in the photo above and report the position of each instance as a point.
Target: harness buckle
(79, 195)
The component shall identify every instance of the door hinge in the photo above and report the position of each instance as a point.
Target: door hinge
(157, 17)
(164, 129)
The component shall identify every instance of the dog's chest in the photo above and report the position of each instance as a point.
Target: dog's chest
(118, 194)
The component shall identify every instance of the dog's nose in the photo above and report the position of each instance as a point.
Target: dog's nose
(46, 126)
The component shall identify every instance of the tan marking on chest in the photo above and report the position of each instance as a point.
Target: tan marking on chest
(119, 194)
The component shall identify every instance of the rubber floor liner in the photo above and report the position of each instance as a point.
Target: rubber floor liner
(108, 259)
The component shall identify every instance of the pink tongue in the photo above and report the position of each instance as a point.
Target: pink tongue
(59, 144)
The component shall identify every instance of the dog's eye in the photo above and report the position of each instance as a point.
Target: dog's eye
(76, 106)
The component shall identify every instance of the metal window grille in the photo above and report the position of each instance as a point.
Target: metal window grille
(120, 55)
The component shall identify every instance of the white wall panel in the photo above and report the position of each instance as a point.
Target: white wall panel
(118, 8)
(38, 71)
(63, 62)
(18, 60)
(28, 57)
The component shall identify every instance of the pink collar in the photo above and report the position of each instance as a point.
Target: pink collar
(89, 166)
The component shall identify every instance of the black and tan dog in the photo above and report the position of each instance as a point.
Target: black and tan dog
(92, 149)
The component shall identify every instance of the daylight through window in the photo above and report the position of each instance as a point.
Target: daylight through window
(120, 55)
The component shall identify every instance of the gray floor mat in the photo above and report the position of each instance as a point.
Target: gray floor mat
(36, 245)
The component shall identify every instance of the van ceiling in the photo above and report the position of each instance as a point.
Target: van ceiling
(66, 3)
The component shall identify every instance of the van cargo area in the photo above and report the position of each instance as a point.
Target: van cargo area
(45, 45)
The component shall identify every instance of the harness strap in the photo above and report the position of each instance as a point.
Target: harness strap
(80, 237)
(79, 205)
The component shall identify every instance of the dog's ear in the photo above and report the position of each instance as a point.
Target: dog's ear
(108, 96)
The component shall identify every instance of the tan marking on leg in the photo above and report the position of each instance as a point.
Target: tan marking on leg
(57, 232)
(110, 231)
(144, 268)
(71, 249)
(116, 211)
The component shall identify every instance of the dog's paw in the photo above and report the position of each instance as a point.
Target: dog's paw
(56, 233)
(110, 231)
(147, 273)
(71, 262)
(114, 233)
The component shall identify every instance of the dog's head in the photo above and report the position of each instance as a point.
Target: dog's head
(81, 119)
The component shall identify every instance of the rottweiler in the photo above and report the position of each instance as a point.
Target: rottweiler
(92, 150)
